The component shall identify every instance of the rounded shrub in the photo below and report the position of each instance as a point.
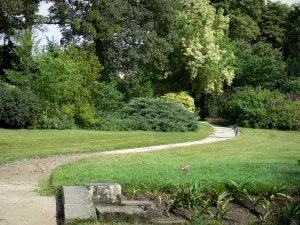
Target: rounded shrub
(251, 108)
(183, 98)
(159, 115)
(286, 114)
(258, 108)
(18, 108)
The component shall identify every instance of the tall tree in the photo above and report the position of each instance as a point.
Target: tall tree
(17, 15)
(273, 23)
(292, 42)
(244, 15)
(209, 54)
(259, 65)
(130, 36)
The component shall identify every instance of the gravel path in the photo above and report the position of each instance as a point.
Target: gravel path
(19, 204)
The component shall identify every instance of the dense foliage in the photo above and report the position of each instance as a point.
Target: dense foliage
(18, 108)
(183, 98)
(159, 115)
(210, 57)
(259, 65)
(259, 108)
(113, 51)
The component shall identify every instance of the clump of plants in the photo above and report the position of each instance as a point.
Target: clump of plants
(290, 213)
(208, 202)
(159, 115)
(182, 98)
(18, 108)
(257, 108)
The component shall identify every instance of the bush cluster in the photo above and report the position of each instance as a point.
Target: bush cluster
(109, 98)
(259, 108)
(150, 115)
(57, 121)
(159, 115)
(183, 98)
(18, 108)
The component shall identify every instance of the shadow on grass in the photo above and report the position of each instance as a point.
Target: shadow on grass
(219, 122)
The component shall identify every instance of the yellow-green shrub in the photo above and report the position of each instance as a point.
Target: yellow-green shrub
(183, 98)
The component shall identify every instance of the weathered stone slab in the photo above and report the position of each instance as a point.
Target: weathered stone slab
(78, 212)
(170, 221)
(128, 214)
(77, 204)
(147, 206)
(105, 193)
(136, 203)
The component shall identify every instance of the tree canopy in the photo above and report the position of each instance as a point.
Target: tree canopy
(113, 51)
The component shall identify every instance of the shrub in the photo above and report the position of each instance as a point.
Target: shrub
(250, 108)
(18, 108)
(159, 115)
(183, 98)
(109, 98)
(85, 115)
(116, 122)
(286, 114)
(292, 86)
(58, 121)
(264, 109)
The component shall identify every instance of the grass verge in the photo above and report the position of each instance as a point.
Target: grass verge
(268, 157)
(19, 144)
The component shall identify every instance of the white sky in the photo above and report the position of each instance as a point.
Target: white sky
(287, 1)
(54, 33)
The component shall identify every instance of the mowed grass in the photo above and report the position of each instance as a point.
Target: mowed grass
(19, 144)
(267, 157)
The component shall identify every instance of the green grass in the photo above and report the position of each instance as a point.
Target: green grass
(19, 144)
(268, 157)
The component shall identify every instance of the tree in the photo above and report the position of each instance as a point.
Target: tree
(68, 81)
(23, 68)
(273, 23)
(292, 42)
(209, 54)
(259, 65)
(18, 15)
(244, 16)
(130, 37)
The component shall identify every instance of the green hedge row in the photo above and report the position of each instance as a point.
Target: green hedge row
(259, 108)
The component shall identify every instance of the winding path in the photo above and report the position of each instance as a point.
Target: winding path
(20, 205)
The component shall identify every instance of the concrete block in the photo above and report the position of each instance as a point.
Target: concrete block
(128, 214)
(77, 204)
(170, 221)
(147, 206)
(105, 193)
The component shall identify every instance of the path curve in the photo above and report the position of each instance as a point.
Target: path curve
(19, 204)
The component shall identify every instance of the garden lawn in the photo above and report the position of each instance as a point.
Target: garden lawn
(18, 144)
(267, 157)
